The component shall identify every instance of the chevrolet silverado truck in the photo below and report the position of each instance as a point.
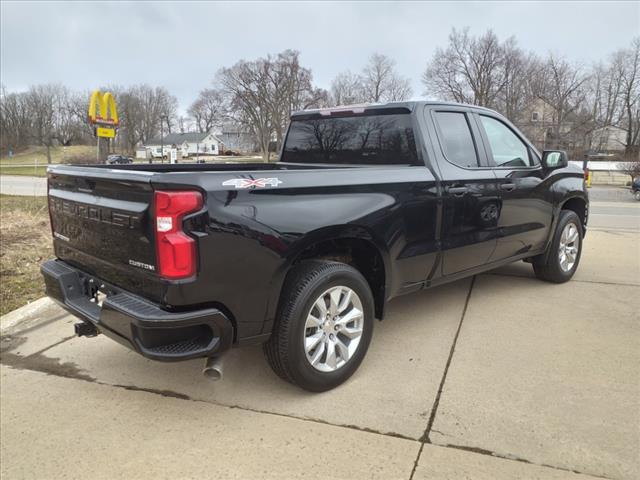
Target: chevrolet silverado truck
(365, 203)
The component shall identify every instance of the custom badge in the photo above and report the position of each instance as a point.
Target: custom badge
(242, 183)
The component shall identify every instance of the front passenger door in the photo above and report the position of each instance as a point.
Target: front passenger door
(527, 209)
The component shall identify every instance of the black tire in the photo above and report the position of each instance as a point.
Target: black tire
(637, 195)
(550, 269)
(285, 349)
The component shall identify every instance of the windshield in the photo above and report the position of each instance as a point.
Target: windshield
(364, 139)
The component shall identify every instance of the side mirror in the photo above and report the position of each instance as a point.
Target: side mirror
(554, 159)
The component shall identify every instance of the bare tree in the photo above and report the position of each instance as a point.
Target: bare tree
(67, 121)
(518, 72)
(605, 94)
(248, 88)
(381, 83)
(292, 87)
(629, 61)
(470, 69)
(15, 121)
(187, 124)
(208, 109)
(563, 87)
(631, 168)
(148, 108)
(41, 100)
(263, 93)
(347, 88)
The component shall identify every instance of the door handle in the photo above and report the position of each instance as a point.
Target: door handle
(509, 187)
(457, 191)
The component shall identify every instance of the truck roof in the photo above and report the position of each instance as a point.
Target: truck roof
(408, 105)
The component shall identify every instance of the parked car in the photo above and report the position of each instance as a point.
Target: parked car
(365, 204)
(635, 188)
(118, 159)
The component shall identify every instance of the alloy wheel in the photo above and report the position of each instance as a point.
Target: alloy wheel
(333, 329)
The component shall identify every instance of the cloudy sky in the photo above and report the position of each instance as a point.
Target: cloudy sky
(181, 45)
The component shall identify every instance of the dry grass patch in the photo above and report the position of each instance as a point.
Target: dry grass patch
(25, 242)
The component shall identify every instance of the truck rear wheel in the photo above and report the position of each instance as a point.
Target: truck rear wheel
(565, 250)
(324, 325)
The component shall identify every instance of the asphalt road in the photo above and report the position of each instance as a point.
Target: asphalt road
(497, 377)
(614, 215)
(23, 185)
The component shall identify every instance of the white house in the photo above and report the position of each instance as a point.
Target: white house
(198, 144)
(190, 144)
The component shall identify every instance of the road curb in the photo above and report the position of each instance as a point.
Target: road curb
(11, 319)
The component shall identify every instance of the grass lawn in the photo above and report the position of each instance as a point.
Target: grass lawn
(25, 242)
(33, 160)
(38, 155)
(31, 171)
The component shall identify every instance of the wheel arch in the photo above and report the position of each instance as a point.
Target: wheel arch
(352, 245)
(579, 205)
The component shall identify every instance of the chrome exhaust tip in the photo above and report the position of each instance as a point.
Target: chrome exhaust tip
(213, 369)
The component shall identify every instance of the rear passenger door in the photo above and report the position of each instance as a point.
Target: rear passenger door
(470, 201)
(527, 208)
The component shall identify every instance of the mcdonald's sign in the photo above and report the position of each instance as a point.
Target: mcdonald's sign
(103, 113)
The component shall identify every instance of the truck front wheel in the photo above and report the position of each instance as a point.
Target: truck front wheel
(324, 325)
(564, 251)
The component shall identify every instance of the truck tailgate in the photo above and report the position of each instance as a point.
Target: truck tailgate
(101, 223)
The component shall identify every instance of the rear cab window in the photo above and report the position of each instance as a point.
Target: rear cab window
(374, 137)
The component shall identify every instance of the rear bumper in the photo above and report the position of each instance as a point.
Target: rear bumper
(135, 322)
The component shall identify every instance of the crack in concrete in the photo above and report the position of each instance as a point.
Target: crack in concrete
(515, 458)
(52, 366)
(425, 436)
(155, 391)
(415, 462)
(436, 403)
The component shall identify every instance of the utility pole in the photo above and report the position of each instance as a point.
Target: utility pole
(161, 143)
(102, 150)
(162, 117)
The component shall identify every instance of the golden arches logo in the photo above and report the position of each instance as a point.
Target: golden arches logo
(102, 108)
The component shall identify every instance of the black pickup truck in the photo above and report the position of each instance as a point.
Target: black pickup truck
(365, 203)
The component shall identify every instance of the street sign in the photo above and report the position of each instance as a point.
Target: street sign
(105, 132)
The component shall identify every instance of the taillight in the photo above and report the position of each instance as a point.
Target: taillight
(176, 250)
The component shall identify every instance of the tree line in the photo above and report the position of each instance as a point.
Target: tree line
(574, 101)
(556, 102)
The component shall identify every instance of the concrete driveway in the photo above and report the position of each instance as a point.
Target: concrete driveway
(500, 376)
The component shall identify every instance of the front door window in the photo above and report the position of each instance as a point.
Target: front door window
(507, 149)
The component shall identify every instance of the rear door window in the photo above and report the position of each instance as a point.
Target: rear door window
(377, 139)
(456, 139)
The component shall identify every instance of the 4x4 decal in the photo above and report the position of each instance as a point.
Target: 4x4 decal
(249, 183)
